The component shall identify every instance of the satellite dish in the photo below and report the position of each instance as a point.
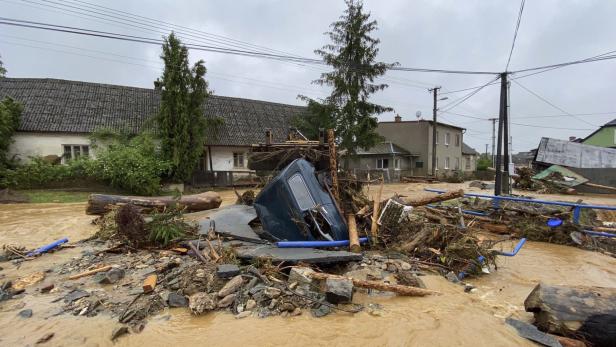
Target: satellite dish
(418, 114)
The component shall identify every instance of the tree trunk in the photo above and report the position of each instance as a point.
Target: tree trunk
(575, 311)
(98, 203)
(435, 198)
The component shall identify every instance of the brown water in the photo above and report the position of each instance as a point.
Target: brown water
(452, 319)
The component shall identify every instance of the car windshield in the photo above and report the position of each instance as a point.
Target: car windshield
(300, 192)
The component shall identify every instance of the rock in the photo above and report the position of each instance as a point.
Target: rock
(226, 301)
(119, 331)
(75, 295)
(250, 304)
(321, 311)
(531, 332)
(272, 292)
(300, 275)
(46, 288)
(200, 273)
(405, 266)
(468, 288)
(27, 313)
(231, 287)
(296, 312)
(110, 277)
(338, 291)
(375, 310)
(227, 270)
(45, 338)
(273, 304)
(451, 276)
(391, 267)
(201, 302)
(287, 306)
(177, 300)
(243, 314)
(366, 273)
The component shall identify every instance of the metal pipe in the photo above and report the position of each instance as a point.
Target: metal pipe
(316, 244)
(47, 248)
(598, 233)
(515, 250)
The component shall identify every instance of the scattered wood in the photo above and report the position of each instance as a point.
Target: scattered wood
(180, 250)
(600, 186)
(333, 165)
(434, 198)
(375, 212)
(197, 252)
(213, 252)
(91, 272)
(386, 287)
(98, 204)
(588, 312)
(418, 179)
(496, 228)
(149, 283)
(353, 237)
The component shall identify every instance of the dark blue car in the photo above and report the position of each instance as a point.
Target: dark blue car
(294, 206)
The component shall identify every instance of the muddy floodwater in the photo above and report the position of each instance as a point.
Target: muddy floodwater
(454, 318)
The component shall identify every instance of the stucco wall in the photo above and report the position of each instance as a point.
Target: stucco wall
(41, 144)
(606, 137)
(222, 158)
(473, 162)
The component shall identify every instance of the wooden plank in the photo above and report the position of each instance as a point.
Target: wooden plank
(90, 273)
(149, 283)
(353, 236)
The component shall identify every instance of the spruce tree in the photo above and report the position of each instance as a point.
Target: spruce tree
(2, 69)
(181, 120)
(352, 55)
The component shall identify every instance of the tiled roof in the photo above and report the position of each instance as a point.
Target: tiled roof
(466, 149)
(52, 105)
(610, 124)
(384, 148)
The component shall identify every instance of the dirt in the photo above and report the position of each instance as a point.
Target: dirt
(454, 318)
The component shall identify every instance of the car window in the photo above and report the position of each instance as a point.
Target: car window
(300, 192)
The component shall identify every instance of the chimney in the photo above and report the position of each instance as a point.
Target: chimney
(572, 138)
(398, 119)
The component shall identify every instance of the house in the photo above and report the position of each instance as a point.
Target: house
(470, 157)
(59, 116)
(524, 158)
(605, 136)
(416, 137)
(387, 159)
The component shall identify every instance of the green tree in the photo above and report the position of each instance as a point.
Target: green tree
(10, 114)
(318, 115)
(352, 55)
(2, 70)
(181, 122)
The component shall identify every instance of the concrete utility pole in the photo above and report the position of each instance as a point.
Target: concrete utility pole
(487, 149)
(502, 177)
(493, 137)
(434, 109)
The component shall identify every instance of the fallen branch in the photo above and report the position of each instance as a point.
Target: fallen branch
(98, 203)
(435, 198)
(91, 272)
(395, 288)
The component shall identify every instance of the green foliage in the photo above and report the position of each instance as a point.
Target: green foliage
(352, 55)
(39, 173)
(319, 115)
(10, 114)
(168, 225)
(484, 162)
(134, 166)
(181, 122)
(2, 70)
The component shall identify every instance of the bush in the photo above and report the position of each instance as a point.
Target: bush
(168, 226)
(39, 173)
(135, 166)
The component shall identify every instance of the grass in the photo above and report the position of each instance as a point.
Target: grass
(55, 196)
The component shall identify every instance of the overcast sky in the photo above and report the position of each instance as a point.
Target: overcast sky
(470, 35)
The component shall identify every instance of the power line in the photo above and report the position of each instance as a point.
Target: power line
(515, 34)
(468, 96)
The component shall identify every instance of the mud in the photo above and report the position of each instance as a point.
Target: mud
(454, 318)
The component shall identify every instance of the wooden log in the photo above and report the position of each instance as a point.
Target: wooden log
(98, 204)
(333, 165)
(90, 273)
(575, 311)
(395, 288)
(434, 198)
(496, 228)
(353, 237)
(375, 212)
(149, 283)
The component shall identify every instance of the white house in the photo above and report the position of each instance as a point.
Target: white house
(59, 116)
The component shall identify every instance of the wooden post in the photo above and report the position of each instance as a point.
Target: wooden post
(333, 165)
(395, 288)
(353, 237)
(375, 213)
(435, 198)
(150, 283)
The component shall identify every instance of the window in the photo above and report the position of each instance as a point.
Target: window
(382, 163)
(238, 160)
(300, 192)
(419, 164)
(436, 164)
(437, 137)
(397, 163)
(447, 138)
(457, 164)
(468, 163)
(446, 163)
(457, 140)
(75, 151)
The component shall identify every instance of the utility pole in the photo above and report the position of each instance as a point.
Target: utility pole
(503, 139)
(487, 150)
(493, 137)
(434, 109)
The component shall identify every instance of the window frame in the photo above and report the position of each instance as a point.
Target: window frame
(396, 163)
(75, 151)
(446, 163)
(458, 140)
(381, 160)
(237, 155)
(457, 163)
(447, 138)
(419, 164)
(437, 137)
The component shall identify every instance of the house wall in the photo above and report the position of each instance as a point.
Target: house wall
(222, 158)
(364, 164)
(27, 144)
(416, 137)
(606, 137)
(472, 160)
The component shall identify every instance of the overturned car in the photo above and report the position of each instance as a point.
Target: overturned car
(296, 206)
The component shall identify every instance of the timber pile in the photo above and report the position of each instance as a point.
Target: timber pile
(99, 204)
(588, 313)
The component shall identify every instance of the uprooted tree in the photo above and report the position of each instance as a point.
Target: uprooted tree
(352, 55)
(182, 124)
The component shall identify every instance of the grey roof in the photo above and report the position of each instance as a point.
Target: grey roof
(53, 105)
(386, 147)
(424, 121)
(610, 124)
(466, 149)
